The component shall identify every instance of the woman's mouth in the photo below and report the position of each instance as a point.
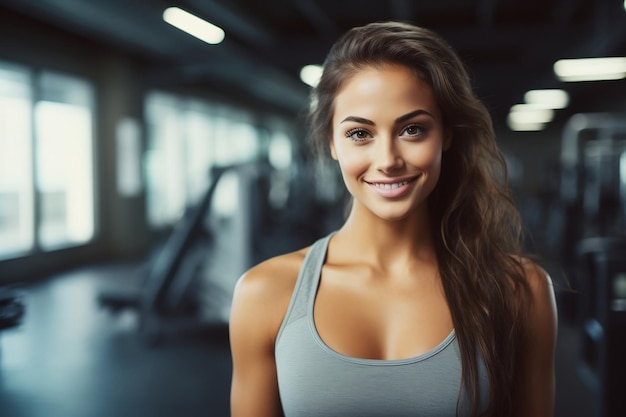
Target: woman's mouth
(393, 185)
(392, 189)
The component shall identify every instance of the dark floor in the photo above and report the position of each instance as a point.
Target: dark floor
(71, 358)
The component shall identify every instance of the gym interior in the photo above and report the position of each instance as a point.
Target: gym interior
(143, 170)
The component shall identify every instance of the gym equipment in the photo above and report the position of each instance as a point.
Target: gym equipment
(169, 272)
(593, 164)
(593, 194)
(12, 308)
(217, 241)
(603, 367)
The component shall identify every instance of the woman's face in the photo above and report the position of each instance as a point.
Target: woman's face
(388, 137)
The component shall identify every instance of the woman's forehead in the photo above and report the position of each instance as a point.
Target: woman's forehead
(393, 88)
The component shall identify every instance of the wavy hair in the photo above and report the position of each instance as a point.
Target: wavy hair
(475, 224)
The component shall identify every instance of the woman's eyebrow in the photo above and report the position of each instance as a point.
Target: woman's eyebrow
(358, 120)
(400, 119)
(413, 114)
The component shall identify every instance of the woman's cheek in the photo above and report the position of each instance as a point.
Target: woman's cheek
(352, 159)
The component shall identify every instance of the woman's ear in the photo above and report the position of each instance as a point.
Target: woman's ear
(333, 152)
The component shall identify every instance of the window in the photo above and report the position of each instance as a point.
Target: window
(16, 168)
(46, 161)
(164, 160)
(64, 159)
(185, 139)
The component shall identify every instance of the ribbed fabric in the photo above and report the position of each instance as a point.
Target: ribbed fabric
(316, 381)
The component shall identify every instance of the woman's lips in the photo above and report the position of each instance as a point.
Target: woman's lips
(390, 188)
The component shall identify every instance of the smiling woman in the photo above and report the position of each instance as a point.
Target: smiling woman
(422, 303)
(388, 138)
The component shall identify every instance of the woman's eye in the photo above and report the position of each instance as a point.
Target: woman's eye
(358, 135)
(413, 130)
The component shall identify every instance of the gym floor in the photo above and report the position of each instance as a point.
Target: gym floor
(71, 358)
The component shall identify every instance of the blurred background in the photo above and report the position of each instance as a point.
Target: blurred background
(145, 164)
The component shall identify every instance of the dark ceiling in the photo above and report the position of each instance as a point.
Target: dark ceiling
(509, 45)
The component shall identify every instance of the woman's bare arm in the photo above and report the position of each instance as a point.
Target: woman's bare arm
(535, 380)
(259, 304)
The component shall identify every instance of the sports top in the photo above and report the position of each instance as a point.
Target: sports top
(316, 381)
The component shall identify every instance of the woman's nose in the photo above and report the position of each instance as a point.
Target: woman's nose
(388, 156)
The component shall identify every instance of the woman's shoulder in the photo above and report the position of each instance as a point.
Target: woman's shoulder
(262, 294)
(274, 273)
(538, 280)
(542, 300)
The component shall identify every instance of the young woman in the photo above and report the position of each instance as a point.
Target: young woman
(421, 304)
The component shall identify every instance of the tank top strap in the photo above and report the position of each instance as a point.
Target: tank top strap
(307, 282)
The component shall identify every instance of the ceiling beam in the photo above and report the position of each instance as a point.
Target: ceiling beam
(237, 69)
(317, 17)
(564, 11)
(94, 19)
(242, 25)
(460, 39)
(485, 12)
(402, 10)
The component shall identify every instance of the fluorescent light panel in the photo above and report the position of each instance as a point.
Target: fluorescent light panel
(547, 99)
(525, 127)
(526, 113)
(590, 69)
(311, 74)
(527, 117)
(193, 25)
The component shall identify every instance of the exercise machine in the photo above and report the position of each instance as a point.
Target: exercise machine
(593, 191)
(161, 300)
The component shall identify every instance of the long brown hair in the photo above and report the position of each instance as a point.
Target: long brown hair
(475, 225)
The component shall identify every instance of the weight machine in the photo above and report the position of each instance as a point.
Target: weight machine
(593, 189)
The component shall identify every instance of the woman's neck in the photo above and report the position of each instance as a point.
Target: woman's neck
(385, 244)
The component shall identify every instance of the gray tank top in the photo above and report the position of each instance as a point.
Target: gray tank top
(316, 381)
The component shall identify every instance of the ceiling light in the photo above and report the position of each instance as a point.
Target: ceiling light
(526, 113)
(311, 74)
(193, 25)
(527, 117)
(547, 99)
(525, 127)
(591, 69)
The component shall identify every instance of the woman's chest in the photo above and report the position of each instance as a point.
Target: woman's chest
(380, 321)
(314, 380)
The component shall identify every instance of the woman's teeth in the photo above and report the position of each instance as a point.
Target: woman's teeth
(391, 186)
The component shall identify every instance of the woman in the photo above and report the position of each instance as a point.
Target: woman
(421, 304)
